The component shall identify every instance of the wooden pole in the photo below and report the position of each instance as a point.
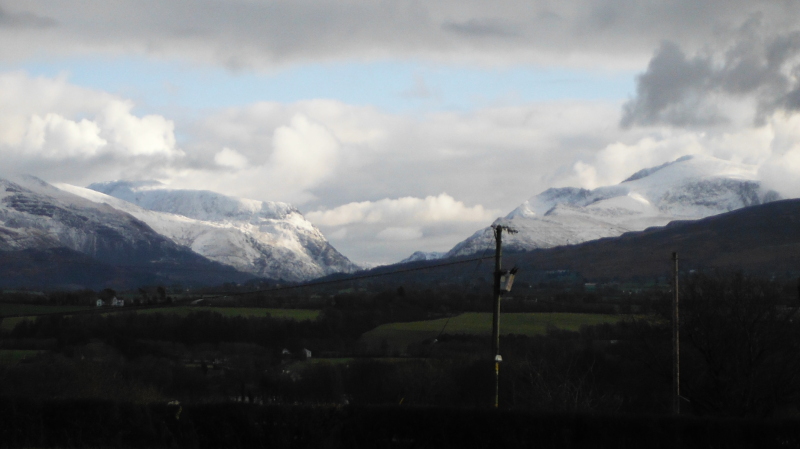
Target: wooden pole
(498, 231)
(676, 349)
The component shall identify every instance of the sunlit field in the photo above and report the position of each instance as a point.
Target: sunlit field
(399, 335)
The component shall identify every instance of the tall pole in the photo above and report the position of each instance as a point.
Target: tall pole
(676, 349)
(498, 232)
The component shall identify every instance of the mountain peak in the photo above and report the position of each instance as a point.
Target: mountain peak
(198, 204)
(269, 239)
(691, 187)
(649, 171)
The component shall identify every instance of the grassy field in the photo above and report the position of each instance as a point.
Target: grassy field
(400, 335)
(13, 356)
(32, 309)
(286, 314)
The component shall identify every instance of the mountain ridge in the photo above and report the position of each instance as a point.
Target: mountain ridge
(267, 239)
(689, 188)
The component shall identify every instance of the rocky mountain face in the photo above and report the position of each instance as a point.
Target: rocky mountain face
(36, 219)
(267, 239)
(689, 188)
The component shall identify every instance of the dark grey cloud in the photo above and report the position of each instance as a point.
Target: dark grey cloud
(672, 90)
(483, 27)
(243, 34)
(680, 90)
(24, 20)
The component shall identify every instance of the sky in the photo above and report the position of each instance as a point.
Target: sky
(393, 125)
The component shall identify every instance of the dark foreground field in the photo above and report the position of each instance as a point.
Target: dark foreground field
(107, 424)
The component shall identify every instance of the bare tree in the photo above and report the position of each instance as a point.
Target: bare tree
(740, 346)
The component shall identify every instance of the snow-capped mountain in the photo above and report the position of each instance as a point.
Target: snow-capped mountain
(266, 239)
(37, 216)
(422, 255)
(689, 188)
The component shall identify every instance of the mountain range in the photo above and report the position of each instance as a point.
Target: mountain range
(128, 234)
(265, 239)
(178, 236)
(689, 188)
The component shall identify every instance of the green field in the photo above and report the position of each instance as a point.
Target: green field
(23, 309)
(32, 309)
(286, 314)
(400, 335)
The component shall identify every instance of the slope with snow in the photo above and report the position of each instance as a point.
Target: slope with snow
(689, 188)
(107, 246)
(268, 239)
(422, 255)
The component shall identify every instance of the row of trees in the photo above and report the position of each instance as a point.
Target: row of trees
(740, 356)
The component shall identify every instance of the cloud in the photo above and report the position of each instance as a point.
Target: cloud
(419, 90)
(483, 27)
(55, 137)
(398, 233)
(230, 158)
(756, 63)
(431, 209)
(780, 169)
(266, 34)
(672, 91)
(24, 20)
(66, 133)
(304, 153)
(358, 171)
(773, 147)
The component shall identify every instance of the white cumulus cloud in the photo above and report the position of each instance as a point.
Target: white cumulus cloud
(230, 158)
(304, 153)
(62, 132)
(431, 209)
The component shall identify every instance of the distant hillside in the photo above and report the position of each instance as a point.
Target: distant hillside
(689, 188)
(51, 238)
(758, 239)
(762, 239)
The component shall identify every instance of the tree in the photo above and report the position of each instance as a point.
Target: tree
(740, 346)
(107, 294)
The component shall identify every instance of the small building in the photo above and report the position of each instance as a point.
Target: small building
(306, 353)
(100, 303)
(117, 302)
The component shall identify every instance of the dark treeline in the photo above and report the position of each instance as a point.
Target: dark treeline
(740, 347)
(93, 423)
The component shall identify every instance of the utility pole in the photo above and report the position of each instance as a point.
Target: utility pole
(498, 291)
(676, 342)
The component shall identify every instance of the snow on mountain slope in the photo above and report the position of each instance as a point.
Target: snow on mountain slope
(37, 215)
(422, 255)
(689, 188)
(263, 238)
(34, 214)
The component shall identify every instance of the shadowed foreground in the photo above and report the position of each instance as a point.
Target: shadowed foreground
(107, 424)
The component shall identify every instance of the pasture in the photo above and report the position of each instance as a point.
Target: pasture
(400, 335)
(247, 312)
(8, 323)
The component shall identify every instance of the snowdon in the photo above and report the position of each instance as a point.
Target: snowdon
(689, 188)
